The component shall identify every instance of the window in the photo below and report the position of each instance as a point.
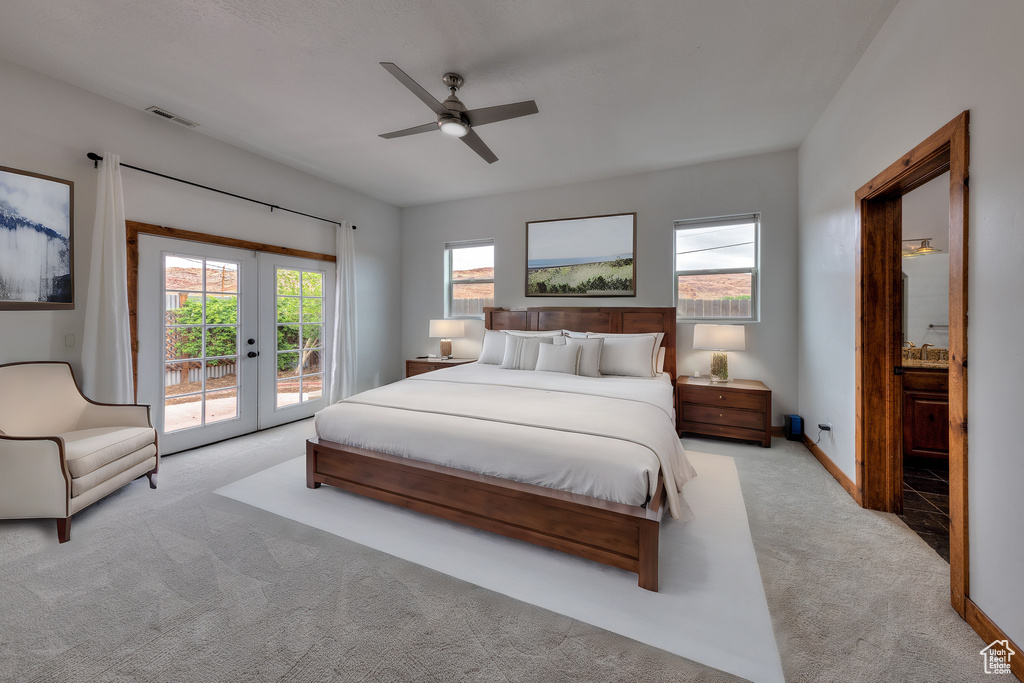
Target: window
(716, 268)
(469, 278)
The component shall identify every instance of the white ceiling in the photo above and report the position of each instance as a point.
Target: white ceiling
(622, 87)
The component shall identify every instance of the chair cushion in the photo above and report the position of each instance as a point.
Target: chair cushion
(88, 450)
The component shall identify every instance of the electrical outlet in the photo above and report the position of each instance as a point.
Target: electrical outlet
(825, 426)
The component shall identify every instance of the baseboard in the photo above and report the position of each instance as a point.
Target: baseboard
(990, 633)
(833, 469)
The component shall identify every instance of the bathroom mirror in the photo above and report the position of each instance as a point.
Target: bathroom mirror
(925, 216)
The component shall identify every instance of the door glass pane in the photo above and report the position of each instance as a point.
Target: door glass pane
(312, 311)
(221, 276)
(183, 342)
(182, 378)
(288, 309)
(221, 405)
(288, 282)
(287, 337)
(221, 309)
(311, 335)
(311, 362)
(183, 412)
(312, 387)
(221, 341)
(183, 273)
(312, 284)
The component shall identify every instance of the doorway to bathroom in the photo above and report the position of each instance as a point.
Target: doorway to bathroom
(880, 348)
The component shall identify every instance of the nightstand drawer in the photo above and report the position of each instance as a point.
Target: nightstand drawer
(723, 430)
(727, 398)
(745, 419)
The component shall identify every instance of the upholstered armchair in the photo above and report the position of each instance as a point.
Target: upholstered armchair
(61, 452)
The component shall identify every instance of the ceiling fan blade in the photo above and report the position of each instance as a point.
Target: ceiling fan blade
(425, 128)
(416, 89)
(503, 112)
(478, 146)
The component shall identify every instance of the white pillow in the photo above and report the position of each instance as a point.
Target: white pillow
(493, 349)
(630, 356)
(661, 359)
(552, 358)
(521, 352)
(590, 355)
(575, 335)
(655, 368)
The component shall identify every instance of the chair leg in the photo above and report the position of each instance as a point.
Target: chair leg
(64, 529)
(151, 475)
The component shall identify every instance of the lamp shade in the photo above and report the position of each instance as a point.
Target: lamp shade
(719, 337)
(447, 329)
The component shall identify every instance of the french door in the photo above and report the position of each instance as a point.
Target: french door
(230, 340)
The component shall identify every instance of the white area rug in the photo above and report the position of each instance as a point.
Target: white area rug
(710, 606)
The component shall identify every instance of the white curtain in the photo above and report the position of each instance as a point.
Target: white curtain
(106, 348)
(343, 353)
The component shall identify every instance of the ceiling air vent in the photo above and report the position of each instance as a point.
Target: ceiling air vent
(172, 117)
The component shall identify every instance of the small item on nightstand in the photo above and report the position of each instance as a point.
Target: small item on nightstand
(421, 357)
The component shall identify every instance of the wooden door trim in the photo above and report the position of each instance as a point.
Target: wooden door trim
(132, 231)
(878, 304)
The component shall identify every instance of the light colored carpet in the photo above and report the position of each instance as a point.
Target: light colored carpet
(710, 608)
(180, 584)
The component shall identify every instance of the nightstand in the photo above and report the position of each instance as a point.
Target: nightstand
(739, 409)
(417, 366)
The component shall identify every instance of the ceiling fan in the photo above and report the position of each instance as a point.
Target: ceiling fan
(452, 116)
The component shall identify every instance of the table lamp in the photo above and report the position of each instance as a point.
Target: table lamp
(446, 329)
(719, 338)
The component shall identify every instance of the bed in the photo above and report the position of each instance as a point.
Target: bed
(416, 440)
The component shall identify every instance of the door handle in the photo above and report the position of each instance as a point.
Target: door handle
(253, 354)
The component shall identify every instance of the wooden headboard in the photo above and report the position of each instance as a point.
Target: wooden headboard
(614, 320)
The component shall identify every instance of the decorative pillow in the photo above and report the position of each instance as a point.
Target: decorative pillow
(576, 335)
(590, 355)
(552, 358)
(630, 356)
(654, 352)
(521, 352)
(493, 349)
(559, 341)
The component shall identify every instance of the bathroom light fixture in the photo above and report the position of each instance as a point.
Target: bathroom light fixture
(923, 250)
(719, 338)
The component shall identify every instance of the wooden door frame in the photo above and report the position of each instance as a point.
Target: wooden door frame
(879, 342)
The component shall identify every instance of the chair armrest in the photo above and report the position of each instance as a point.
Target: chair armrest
(115, 415)
(34, 479)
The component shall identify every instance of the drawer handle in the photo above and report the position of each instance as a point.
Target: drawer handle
(721, 398)
(720, 415)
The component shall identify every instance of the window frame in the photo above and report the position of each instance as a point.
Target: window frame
(449, 281)
(754, 270)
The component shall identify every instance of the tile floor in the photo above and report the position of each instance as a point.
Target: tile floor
(926, 504)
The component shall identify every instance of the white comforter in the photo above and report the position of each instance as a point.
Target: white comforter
(605, 437)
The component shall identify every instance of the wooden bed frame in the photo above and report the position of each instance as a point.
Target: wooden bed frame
(619, 535)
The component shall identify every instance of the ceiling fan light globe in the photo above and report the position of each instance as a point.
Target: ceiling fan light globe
(453, 127)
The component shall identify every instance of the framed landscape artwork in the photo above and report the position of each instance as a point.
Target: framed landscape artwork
(592, 256)
(36, 241)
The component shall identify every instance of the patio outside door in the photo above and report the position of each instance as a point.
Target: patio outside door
(230, 340)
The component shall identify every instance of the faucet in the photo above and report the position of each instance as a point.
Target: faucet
(924, 351)
(909, 345)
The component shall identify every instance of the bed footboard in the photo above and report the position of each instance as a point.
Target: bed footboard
(618, 535)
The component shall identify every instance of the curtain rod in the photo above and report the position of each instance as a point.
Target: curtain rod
(96, 159)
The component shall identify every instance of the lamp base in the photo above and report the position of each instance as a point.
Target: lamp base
(719, 368)
(446, 349)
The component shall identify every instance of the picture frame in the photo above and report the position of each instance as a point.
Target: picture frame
(591, 256)
(37, 254)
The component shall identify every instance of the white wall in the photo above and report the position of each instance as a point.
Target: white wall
(764, 183)
(931, 60)
(49, 126)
